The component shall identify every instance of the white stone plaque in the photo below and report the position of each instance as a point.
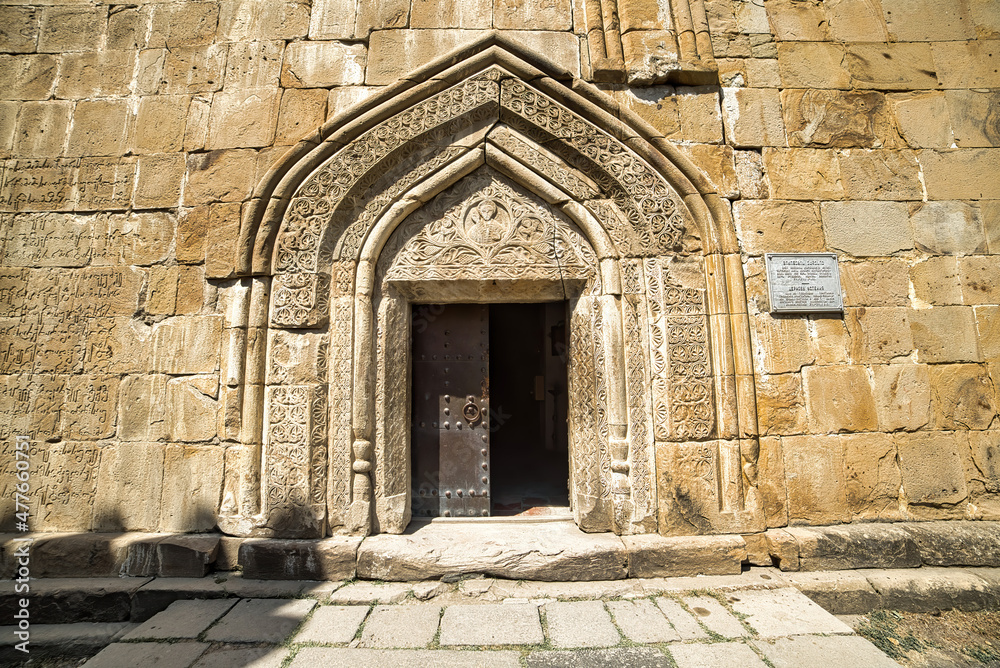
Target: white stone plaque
(804, 283)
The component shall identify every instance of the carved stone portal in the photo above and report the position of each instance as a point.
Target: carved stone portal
(481, 187)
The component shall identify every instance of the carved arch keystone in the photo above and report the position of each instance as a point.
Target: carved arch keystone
(663, 426)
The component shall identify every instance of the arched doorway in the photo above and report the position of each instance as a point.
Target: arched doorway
(341, 243)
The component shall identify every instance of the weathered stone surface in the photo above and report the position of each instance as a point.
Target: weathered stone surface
(929, 589)
(837, 592)
(770, 226)
(274, 559)
(963, 396)
(803, 650)
(980, 279)
(260, 620)
(70, 600)
(491, 624)
(936, 281)
(931, 468)
(753, 117)
(875, 282)
(839, 399)
(220, 176)
(302, 110)
(976, 167)
(553, 551)
(183, 619)
(403, 625)
(878, 334)
(973, 117)
(881, 175)
(189, 556)
(714, 616)
(902, 396)
(515, 15)
(815, 479)
(781, 406)
(783, 548)
(244, 21)
(945, 334)
(957, 543)
(947, 228)
(812, 65)
(580, 624)
(641, 622)
(891, 66)
(657, 556)
(803, 174)
(771, 482)
(830, 118)
(148, 653)
(130, 474)
(873, 478)
(41, 129)
(781, 344)
(247, 118)
(323, 64)
(855, 546)
(717, 163)
(920, 119)
(780, 612)
(970, 64)
(192, 69)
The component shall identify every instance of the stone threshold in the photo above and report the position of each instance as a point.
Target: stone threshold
(521, 550)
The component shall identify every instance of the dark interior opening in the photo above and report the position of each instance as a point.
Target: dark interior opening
(528, 407)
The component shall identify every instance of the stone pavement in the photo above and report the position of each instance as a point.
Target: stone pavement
(747, 622)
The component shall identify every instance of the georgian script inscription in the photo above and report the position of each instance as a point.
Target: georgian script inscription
(804, 282)
(38, 185)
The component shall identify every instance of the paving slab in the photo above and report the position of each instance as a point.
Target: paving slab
(182, 619)
(641, 621)
(333, 624)
(491, 624)
(391, 626)
(714, 616)
(358, 593)
(237, 585)
(260, 620)
(335, 657)
(716, 655)
(566, 590)
(931, 588)
(245, 657)
(615, 657)
(156, 595)
(580, 624)
(68, 600)
(761, 577)
(784, 612)
(78, 639)
(148, 655)
(822, 652)
(684, 623)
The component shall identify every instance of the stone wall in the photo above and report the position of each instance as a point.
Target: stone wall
(131, 136)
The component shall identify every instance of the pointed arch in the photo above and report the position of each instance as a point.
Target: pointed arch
(668, 263)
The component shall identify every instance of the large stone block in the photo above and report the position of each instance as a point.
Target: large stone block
(753, 117)
(95, 74)
(922, 119)
(931, 468)
(381, 15)
(837, 592)
(876, 282)
(793, 21)
(988, 324)
(873, 478)
(141, 408)
(839, 399)
(654, 556)
(965, 65)
(174, 25)
(973, 117)
(193, 69)
(716, 163)
(980, 276)
(978, 168)
(246, 118)
(902, 396)
(193, 406)
(128, 487)
(945, 334)
(159, 180)
(332, 19)
(927, 21)
(931, 589)
(41, 129)
(803, 174)
(192, 228)
(985, 455)
(781, 406)
(699, 114)
(957, 543)
(855, 546)
(816, 479)
(771, 482)
(656, 105)
(963, 396)
(187, 556)
(226, 175)
(275, 559)
(551, 552)
(812, 65)
(891, 66)
(947, 228)
(247, 20)
(302, 111)
(521, 15)
(936, 281)
(830, 118)
(323, 64)
(881, 175)
(187, 345)
(886, 227)
(19, 29)
(781, 345)
(878, 334)
(105, 183)
(159, 125)
(27, 77)
(71, 28)
(224, 222)
(855, 21)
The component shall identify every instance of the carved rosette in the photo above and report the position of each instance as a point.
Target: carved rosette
(300, 300)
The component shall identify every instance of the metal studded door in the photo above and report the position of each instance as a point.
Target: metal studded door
(450, 439)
